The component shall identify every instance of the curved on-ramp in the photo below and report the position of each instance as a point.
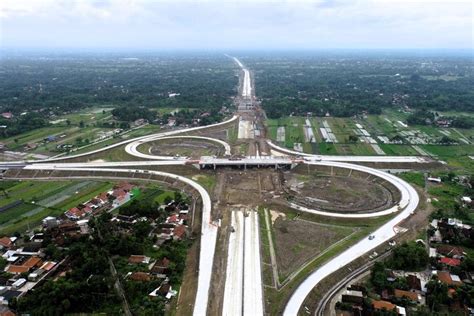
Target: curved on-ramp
(163, 134)
(384, 233)
(208, 230)
(346, 158)
(132, 148)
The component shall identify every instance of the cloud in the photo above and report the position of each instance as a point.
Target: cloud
(237, 24)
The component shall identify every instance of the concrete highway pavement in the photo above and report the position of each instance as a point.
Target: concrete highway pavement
(381, 235)
(208, 229)
(243, 293)
(253, 291)
(234, 281)
(247, 83)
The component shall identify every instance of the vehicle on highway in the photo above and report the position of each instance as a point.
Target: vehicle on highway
(371, 237)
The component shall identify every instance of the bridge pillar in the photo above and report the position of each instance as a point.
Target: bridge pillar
(197, 166)
(214, 166)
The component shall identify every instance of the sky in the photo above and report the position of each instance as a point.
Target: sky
(244, 24)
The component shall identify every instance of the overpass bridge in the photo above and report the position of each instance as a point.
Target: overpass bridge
(205, 162)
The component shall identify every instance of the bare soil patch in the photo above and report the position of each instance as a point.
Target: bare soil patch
(341, 194)
(194, 148)
(297, 241)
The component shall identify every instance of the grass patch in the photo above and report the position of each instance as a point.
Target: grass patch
(207, 181)
(84, 195)
(449, 151)
(416, 178)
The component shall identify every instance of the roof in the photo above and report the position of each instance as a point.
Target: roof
(410, 295)
(450, 261)
(179, 231)
(75, 212)
(17, 269)
(5, 242)
(7, 313)
(173, 218)
(383, 305)
(103, 196)
(140, 276)
(445, 277)
(138, 259)
(450, 250)
(165, 262)
(48, 265)
(32, 262)
(414, 282)
(164, 289)
(124, 186)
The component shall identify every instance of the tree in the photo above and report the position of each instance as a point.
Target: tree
(437, 294)
(409, 256)
(353, 138)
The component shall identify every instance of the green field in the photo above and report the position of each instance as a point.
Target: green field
(40, 199)
(377, 125)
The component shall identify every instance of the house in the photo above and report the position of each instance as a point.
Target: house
(124, 186)
(25, 266)
(48, 265)
(137, 259)
(75, 213)
(50, 222)
(466, 200)
(33, 262)
(5, 311)
(120, 197)
(161, 267)
(104, 197)
(31, 146)
(171, 122)
(451, 251)
(412, 296)
(383, 305)
(8, 295)
(139, 122)
(125, 219)
(14, 269)
(450, 261)
(174, 219)
(7, 115)
(353, 297)
(6, 242)
(140, 276)
(414, 282)
(448, 279)
(179, 232)
(164, 290)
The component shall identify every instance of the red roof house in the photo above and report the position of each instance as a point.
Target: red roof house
(450, 261)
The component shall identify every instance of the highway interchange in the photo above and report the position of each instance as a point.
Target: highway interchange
(243, 289)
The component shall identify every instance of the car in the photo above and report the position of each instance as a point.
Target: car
(371, 237)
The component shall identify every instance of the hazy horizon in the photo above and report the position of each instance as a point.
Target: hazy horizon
(211, 25)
